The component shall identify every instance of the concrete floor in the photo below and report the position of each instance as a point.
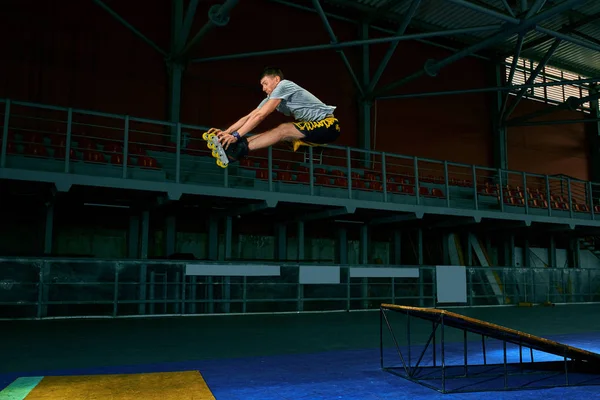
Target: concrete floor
(85, 343)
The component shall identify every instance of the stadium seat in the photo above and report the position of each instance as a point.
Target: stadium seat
(283, 176)
(60, 153)
(302, 177)
(93, 156)
(435, 192)
(35, 150)
(147, 162)
(340, 182)
(117, 159)
(262, 174)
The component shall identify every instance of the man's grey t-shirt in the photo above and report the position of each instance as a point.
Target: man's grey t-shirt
(299, 102)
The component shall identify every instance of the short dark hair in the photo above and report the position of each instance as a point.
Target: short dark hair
(272, 71)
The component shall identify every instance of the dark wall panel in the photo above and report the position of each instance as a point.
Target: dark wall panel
(218, 93)
(76, 54)
(455, 128)
(549, 149)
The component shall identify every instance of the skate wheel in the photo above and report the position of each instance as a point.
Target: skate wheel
(205, 136)
(215, 154)
(220, 164)
(211, 145)
(211, 136)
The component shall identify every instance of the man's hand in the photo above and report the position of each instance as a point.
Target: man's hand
(226, 139)
(216, 131)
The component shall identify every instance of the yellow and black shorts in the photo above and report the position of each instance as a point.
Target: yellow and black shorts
(323, 131)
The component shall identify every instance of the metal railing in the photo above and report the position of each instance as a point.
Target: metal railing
(68, 288)
(73, 141)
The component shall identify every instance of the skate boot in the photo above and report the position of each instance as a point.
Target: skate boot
(235, 152)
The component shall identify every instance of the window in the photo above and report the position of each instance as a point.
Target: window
(548, 94)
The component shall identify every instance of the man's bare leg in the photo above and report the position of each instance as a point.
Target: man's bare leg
(253, 137)
(283, 132)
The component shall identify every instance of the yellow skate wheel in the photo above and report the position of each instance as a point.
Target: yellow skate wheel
(215, 154)
(205, 136)
(211, 136)
(220, 164)
(211, 145)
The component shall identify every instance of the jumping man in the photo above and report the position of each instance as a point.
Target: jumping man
(314, 120)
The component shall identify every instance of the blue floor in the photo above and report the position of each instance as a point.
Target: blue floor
(353, 374)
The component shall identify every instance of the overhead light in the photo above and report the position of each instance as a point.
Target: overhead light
(105, 205)
(346, 221)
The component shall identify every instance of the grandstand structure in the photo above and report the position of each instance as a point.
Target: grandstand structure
(114, 205)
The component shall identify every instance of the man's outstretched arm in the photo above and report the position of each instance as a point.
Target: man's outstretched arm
(257, 116)
(237, 125)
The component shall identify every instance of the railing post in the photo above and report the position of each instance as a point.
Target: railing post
(591, 199)
(501, 189)
(4, 147)
(416, 167)
(178, 152)
(570, 197)
(548, 195)
(525, 193)
(116, 291)
(384, 177)
(42, 304)
(125, 146)
(311, 171)
(470, 288)
(270, 167)
(475, 192)
(349, 167)
(447, 189)
(68, 139)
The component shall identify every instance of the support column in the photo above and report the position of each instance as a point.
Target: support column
(469, 250)
(592, 130)
(446, 249)
(342, 246)
(227, 256)
(397, 247)
(213, 238)
(300, 244)
(49, 228)
(133, 239)
(574, 253)
(509, 251)
(170, 235)
(552, 252)
(364, 259)
(300, 240)
(498, 128)
(143, 254)
(420, 261)
(364, 244)
(364, 106)
(526, 259)
(420, 246)
(175, 71)
(228, 237)
(145, 234)
(181, 23)
(493, 254)
(213, 255)
(280, 242)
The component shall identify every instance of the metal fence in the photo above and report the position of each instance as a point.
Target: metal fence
(36, 288)
(64, 140)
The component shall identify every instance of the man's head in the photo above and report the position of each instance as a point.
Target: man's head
(269, 79)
